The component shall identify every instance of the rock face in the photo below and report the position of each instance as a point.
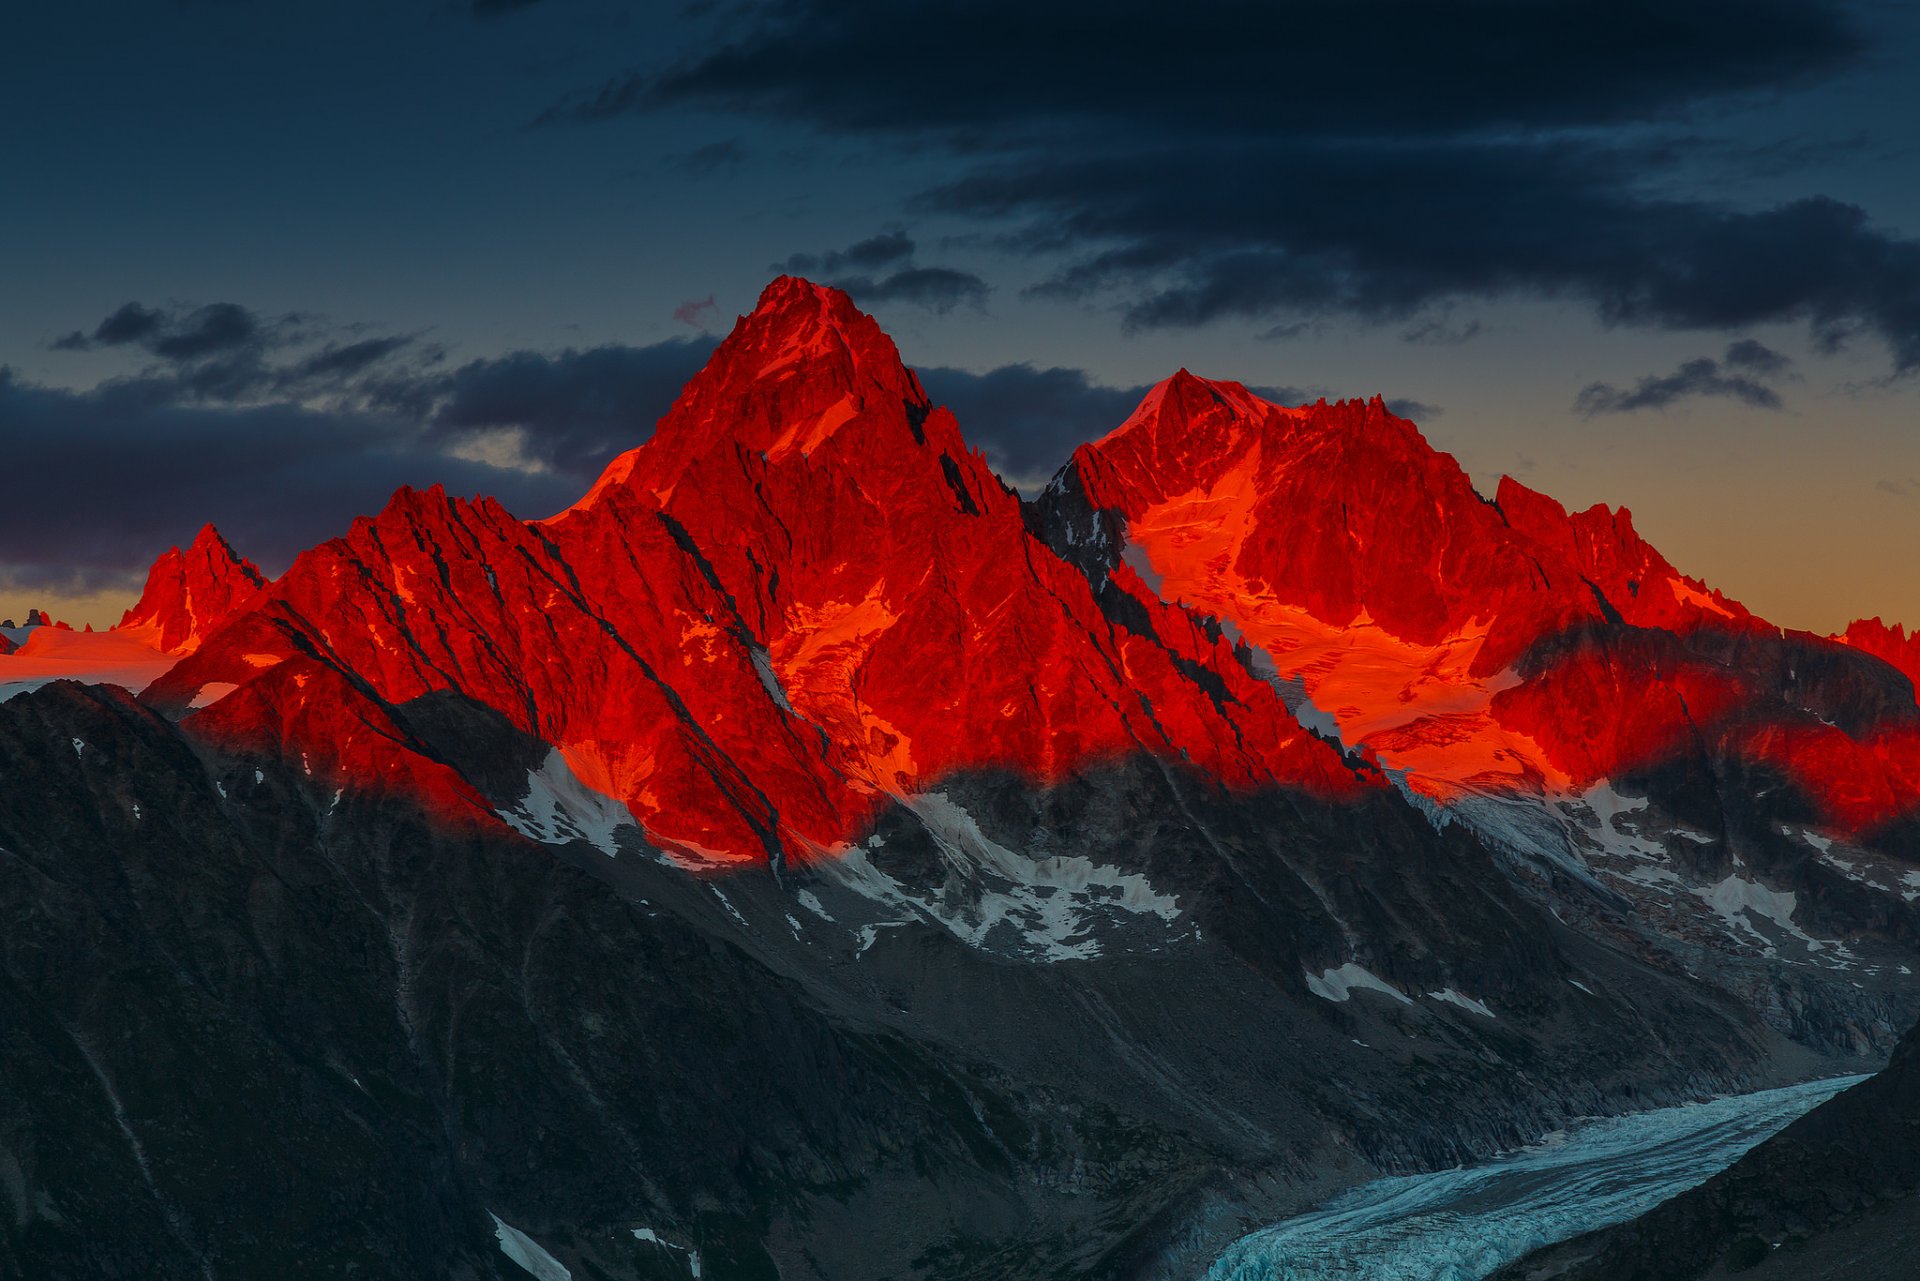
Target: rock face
(802, 596)
(804, 852)
(1834, 1195)
(189, 594)
(1889, 642)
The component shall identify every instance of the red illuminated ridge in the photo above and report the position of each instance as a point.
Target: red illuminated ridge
(189, 594)
(806, 595)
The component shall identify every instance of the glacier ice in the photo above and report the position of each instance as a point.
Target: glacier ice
(1462, 1224)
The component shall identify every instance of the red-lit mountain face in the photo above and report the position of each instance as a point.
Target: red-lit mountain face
(1888, 642)
(189, 594)
(803, 595)
(1478, 647)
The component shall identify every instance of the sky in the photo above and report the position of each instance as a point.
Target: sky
(263, 264)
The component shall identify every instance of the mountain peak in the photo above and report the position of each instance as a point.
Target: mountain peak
(797, 370)
(190, 593)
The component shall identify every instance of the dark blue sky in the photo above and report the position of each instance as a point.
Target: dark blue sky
(264, 262)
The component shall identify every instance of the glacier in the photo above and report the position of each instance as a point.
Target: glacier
(1462, 1224)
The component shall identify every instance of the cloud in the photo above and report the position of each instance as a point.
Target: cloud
(1756, 357)
(689, 312)
(938, 289)
(574, 410)
(1899, 487)
(178, 336)
(1383, 232)
(1409, 156)
(494, 8)
(145, 473)
(1029, 420)
(875, 251)
(884, 271)
(1221, 68)
(223, 353)
(1695, 378)
(1418, 411)
(282, 443)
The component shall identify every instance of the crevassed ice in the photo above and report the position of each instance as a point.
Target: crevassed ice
(1461, 1225)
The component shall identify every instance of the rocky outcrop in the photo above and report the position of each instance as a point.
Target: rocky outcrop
(190, 594)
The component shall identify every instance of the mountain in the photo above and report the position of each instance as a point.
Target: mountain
(189, 594)
(1833, 1197)
(1889, 642)
(807, 852)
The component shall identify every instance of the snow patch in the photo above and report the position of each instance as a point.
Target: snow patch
(526, 1252)
(559, 808)
(211, 693)
(1468, 1003)
(1341, 982)
(654, 1238)
(1040, 909)
(1738, 901)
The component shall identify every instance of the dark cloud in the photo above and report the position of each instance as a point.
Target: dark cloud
(494, 8)
(866, 255)
(1029, 420)
(1215, 68)
(939, 289)
(1418, 411)
(1441, 331)
(276, 478)
(181, 336)
(132, 323)
(226, 353)
(1735, 376)
(1756, 357)
(283, 446)
(576, 409)
(341, 361)
(207, 331)
(1386, 231)
(1379, 159)
(883, 271)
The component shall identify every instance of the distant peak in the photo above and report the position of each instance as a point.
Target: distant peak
(190, 593)
(794, 372)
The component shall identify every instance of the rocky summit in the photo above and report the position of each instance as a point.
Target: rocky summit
(808, 857)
